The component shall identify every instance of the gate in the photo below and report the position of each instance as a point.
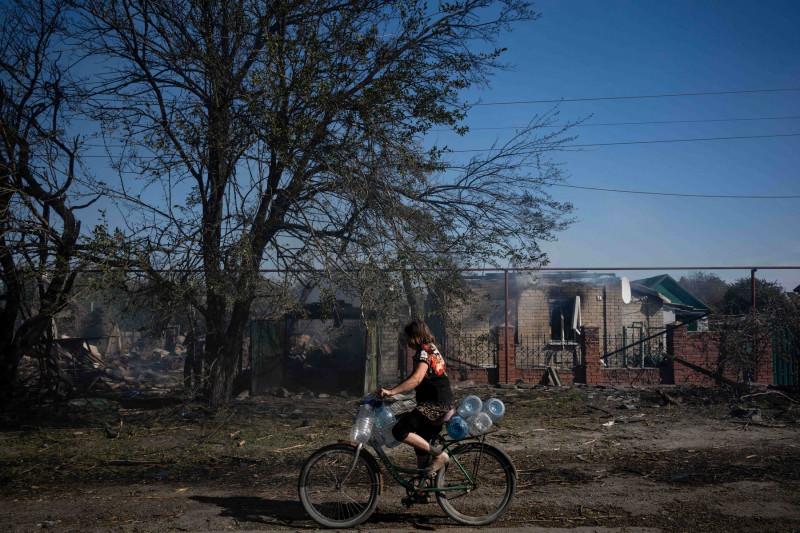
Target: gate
(784, 359)
(637, 347)
(267, 348)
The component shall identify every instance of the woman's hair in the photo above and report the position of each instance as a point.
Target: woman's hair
(418, 333)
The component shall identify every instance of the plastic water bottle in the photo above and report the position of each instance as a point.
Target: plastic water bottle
(494, 408)
(469, 406)
(478, 424)
(362, 427)
(385, 420)
(457, 428)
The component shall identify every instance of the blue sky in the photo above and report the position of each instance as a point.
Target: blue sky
(591, 49)
(582, 49)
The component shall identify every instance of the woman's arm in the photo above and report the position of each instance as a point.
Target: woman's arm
(411, 382)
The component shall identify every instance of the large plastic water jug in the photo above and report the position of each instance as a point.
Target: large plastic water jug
(362, 427)
(384, 437)
(385, 420)
(478, 424)
(457, 428)
(494, 408)
(469, 406)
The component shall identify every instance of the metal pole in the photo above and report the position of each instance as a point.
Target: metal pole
(755, 321)
(506, 333)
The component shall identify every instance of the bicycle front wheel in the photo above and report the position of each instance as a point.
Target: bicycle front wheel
(326, 499)
(478, 484)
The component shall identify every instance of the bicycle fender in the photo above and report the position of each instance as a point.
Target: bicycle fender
(499, 450)
(369, 458)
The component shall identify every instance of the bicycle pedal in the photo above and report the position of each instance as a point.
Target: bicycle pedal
(422, 497)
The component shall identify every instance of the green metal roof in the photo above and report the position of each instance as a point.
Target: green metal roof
(674, 291)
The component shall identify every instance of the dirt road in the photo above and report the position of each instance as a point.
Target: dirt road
(588, 459)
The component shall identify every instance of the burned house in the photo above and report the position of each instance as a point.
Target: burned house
(545, 315)
(511, 326)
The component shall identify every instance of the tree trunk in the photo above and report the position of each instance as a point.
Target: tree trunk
(411, 297)
(223, 351)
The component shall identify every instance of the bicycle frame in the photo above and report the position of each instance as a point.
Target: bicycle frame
(446, 444)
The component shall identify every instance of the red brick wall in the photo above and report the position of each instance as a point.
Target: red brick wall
(535, 376)
(699, 348)
(702, 349)
(506, 356)
(481, 376)
(592, 355)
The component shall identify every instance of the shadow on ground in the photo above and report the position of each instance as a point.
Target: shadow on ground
(291, 513)
(258, 510)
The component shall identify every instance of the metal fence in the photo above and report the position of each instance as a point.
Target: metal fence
(630, 349)
(542, 351)
(471, 351)
(635, 347)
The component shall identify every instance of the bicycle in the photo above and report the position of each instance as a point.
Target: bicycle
(340, 483)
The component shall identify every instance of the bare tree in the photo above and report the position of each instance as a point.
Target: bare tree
(747, 341)
(40, 190)
(288, 135)
(707, 286)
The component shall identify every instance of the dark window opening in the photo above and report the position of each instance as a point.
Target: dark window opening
(562, 311)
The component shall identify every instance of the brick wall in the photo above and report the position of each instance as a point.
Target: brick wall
(592, 354)
(701, 349)
(506, 356)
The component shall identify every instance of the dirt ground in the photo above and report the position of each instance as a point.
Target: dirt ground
(588, 459)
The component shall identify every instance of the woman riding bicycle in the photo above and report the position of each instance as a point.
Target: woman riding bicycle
(434, 398)
(339, 484)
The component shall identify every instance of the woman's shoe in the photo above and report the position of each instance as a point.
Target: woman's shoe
(438, 462)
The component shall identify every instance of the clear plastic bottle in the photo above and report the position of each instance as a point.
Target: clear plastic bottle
(457, 428)
(478, 424)
(385, 420)
(469, 406)
(494, 408)
(362, 427)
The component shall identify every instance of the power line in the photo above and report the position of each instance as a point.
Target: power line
(687, 140)
(646, 122)
(94, 145)
(143, 100)
(627, 191)
(589, 145)
(651, 142)
(635, 97)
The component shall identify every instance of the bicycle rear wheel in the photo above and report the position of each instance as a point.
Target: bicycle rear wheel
(345, 506)
(480, 481)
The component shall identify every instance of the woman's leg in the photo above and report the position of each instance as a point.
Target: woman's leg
(416, 430)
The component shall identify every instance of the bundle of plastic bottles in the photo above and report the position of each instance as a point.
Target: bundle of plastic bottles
(374, 420)
(474, 417)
